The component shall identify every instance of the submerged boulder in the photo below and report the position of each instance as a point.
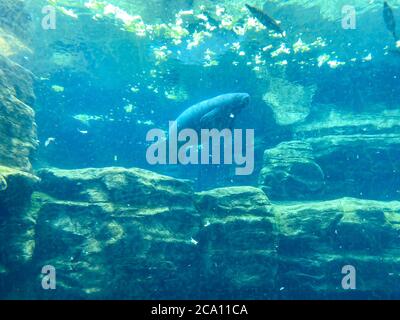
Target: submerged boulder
(291, 172)
(116, 233)
(317, 239)
(237, 242)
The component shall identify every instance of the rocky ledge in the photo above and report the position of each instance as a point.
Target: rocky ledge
(17, 118)
(135, 234)
(330, 167)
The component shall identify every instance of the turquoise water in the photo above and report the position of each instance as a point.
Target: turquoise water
(324, 110)
(137, 66)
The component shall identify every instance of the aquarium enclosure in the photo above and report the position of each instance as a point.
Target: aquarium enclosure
(199, 149)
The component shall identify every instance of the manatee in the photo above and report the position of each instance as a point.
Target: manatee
(215, 113)
(3, 183)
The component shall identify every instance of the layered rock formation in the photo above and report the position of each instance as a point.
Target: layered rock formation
(116, 233)
(133, 234)
(342, 155)
(18, 141)
(17, 124)
(238, 243)
(336, 155)
(17, 226)
(317, 239)
(291, 172)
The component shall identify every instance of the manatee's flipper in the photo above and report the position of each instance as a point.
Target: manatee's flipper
(209, 119)
(217, 120)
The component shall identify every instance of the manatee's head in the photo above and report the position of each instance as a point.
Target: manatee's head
(240, 101)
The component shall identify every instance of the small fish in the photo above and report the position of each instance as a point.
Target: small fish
(49, 141)
(390, 21)
(265, 19)
(57, 88)
(86, 118)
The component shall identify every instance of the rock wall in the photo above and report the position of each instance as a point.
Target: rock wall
(290, 172)
(118, 233)
(238, 243)
(17, 123)
(18, 142)
(317, 239)
(336, 155)
(340, 156)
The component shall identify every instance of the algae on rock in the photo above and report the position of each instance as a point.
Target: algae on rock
(238, 242)
(291, 172)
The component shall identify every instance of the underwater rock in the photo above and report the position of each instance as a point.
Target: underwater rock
(316, 239)
(17, 125)
(17, 225)
(134, 187)
(327, 120)
(358, 152)
(290, 172)
(117, 233)
(290, 103)
(11, 47)
(16, 188)
(359, 165)
(120, 233)
(231, 201)
(237, 243)
(18, 141)
(15, 19)
(359, 155)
